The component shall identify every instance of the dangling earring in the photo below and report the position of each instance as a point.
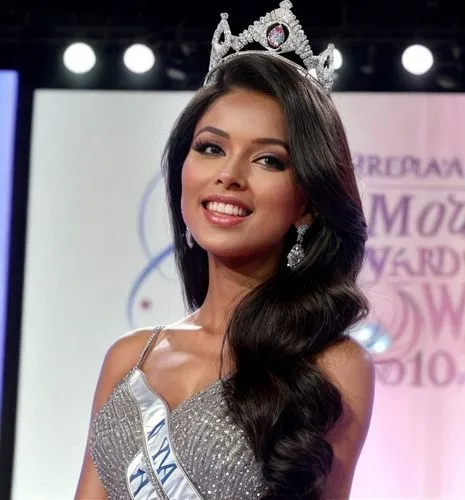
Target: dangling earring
(189, 239)
(296, 254)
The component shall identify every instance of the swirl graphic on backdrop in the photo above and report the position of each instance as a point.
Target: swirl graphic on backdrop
(155, 257)
(406, 329)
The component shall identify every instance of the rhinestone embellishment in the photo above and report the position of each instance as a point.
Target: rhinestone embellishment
(279, 32)
(295, 256)
(276, 37)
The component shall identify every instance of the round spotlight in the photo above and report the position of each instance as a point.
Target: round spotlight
(139, 58)
(337, 59)
(417, 59)
(79, 58)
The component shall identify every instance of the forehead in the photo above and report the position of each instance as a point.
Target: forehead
(246, 112)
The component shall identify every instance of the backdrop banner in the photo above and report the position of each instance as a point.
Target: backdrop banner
(100, 262)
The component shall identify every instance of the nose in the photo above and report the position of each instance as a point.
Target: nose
(231, 177)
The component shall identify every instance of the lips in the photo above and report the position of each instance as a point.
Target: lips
(223, 220)
(226, 209)
(228, 200)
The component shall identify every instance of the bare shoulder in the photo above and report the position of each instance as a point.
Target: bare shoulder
(346, 363)
(124, 353)
(350, 367)
(120, 358)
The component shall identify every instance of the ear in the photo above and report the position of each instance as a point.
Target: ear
(305, 217)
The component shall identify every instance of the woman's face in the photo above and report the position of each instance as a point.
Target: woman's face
(240, 151)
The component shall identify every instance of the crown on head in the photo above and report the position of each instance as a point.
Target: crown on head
(279, 32)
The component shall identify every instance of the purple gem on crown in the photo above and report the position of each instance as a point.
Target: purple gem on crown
(276, 37)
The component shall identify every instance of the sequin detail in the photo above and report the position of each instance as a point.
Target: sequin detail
(115, 439)
(212, 450)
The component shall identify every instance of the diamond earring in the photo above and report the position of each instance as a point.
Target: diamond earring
(189, 239)
(296, 254)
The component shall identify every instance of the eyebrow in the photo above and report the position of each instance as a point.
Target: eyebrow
(260, 140)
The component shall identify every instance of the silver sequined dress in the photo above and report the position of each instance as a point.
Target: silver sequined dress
(144, 451)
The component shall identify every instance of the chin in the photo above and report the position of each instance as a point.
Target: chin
(239, 253)
(227, 251)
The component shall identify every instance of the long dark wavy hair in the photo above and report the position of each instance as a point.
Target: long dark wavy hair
(277, 394)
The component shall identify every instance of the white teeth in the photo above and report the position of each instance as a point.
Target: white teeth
(226, 208)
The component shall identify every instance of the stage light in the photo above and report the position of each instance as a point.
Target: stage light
(450, 71)
(337, 59)
(176, 74)
(337, 63)
(79, 58)
(417, 59)
(373, 337)
(363, 334)
(139, 58)
(381, 345)
(367, 66)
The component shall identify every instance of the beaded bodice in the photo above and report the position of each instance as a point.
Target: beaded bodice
(144, 451)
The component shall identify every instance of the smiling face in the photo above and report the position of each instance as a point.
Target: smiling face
(240, 151)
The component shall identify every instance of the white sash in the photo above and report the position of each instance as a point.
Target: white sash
(164, 469)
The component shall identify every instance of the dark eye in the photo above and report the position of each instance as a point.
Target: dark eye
(207, 148)
(271, 162)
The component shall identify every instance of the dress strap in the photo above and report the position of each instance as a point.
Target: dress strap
(147, 346)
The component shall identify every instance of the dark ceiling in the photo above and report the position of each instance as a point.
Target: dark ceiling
(370, 35)
(156, 20)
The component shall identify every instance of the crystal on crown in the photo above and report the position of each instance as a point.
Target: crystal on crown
(278, 32)
(276, 37)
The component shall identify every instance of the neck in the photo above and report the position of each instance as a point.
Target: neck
(230, 279)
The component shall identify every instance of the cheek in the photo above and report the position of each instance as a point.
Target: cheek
(281, 202)
(194, 174)
(188, 182)
(187, 177)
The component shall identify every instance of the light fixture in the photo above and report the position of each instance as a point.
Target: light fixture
(79, 58)
(176, 74)
(139, 58)
(367, 67)
(450, 70)
(417, 59)
(337, 59)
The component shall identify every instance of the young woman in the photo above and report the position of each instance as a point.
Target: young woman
(259, 392)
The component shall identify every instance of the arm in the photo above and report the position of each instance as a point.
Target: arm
(350, 368)
(120, 358)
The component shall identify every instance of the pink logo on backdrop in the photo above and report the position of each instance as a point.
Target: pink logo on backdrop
(415, 265)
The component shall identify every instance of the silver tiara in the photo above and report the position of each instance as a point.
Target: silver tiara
(279, 32)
